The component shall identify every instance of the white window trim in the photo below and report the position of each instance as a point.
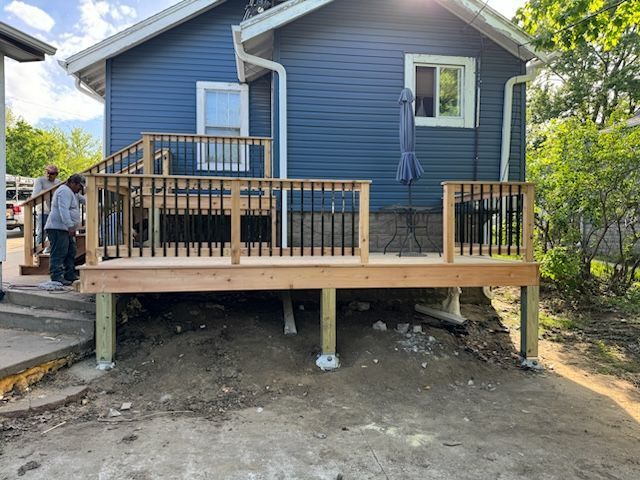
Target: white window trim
(468, 100)
(201, 88)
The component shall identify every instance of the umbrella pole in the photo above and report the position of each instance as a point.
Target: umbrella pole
(411, 232)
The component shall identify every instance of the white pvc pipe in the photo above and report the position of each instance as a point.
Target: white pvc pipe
(507, 114)
(282, 110)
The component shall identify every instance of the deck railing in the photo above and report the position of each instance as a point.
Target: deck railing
(208, 155)
(184, 216)
(488, 218)
(161, 154)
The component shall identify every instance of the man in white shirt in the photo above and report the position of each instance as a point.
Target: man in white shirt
(64, 219)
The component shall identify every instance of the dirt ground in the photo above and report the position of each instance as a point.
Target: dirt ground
(218, 392)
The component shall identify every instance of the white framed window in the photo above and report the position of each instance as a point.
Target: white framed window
(445, 89)
(222, 109)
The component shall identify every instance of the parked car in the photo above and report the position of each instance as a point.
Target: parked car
(19, 189)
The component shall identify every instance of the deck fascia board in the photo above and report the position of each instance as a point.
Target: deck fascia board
(153, 278)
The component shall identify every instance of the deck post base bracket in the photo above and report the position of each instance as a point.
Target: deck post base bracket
(105, 366)
(531, 364)
(328, 362)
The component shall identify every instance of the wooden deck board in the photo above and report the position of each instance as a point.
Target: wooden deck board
(171, 274)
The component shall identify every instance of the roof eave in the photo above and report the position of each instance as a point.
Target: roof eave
(137, 34)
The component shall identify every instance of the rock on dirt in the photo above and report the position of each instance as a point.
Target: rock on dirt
(32, 465)
(359, 306)
(402, 328)
(380, 326)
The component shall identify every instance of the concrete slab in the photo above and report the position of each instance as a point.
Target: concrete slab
(39, 401)
(59, 300)
(21, 349)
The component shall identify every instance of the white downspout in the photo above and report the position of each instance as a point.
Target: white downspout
(84, 89)
(532, 72)
(282, 109)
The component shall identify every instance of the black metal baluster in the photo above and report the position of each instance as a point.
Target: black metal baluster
(518, 218)
(152, 218)
(461, 218)
(491, 215)
(199, 221)
(353, 219)
(291, 219)
(510, 221)
(333, 223)
(481, 220)
(118, 215)
(141, 200)
(301, 218)
(249, 214)
(500, 213)
(176, 219)
(260, 217)
(271, 222)
(313, 209)
(164, 216)
(342, 251)
(130, 206)
(210, 194)
(322, 222)
(471, 207)
(223, 224)
(187, 217)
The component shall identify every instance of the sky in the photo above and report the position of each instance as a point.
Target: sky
(42, 93)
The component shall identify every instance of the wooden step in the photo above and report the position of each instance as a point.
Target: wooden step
(41, 264)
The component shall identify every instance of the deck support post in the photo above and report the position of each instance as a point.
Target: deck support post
(529, 312)
(328, 359)
(105, 330)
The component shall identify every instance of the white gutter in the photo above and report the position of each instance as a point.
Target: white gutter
(532, 72)
(87, 91)
(282, 108)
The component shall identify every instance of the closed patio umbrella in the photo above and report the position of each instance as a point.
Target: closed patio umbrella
(409, 169)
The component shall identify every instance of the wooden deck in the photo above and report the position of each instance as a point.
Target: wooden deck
(185, 274)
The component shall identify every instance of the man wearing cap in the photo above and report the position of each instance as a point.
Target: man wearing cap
(61, 226)
(42, 184)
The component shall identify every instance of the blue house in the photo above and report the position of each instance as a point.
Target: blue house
(253, 145)
(342, 64)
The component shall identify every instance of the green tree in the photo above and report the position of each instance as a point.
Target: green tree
(30, 149)
(588, 187)
(599, 66)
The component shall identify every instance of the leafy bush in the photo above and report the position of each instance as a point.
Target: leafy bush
(588, 191)
(562, 266)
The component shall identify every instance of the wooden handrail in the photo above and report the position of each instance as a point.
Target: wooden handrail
(294, 181)
(212, 137)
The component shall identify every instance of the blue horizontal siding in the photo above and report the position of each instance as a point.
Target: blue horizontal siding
(152, 87)
(345, 65)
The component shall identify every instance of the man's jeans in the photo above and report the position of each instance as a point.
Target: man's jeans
(63, 255)
(41, 221)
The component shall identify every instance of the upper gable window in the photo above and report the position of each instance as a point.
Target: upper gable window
(444, 88)
(223, 110)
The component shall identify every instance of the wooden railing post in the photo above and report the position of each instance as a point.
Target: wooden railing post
(28, 234)
(528, 219)
(91, 256)
(363, 223)
(235, 222)
(147, 154)
(448, 223)
(267, 159)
